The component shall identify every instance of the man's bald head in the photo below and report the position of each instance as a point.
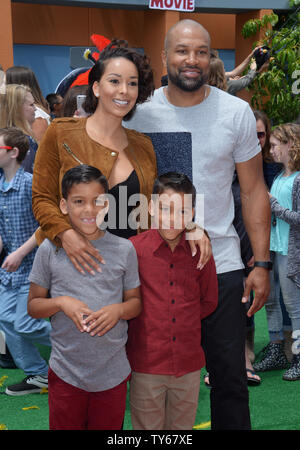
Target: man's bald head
(184, 27)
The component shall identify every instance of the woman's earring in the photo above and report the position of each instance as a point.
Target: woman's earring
(97, 95)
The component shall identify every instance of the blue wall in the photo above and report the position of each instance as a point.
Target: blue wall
(228, 58)
(51, 63)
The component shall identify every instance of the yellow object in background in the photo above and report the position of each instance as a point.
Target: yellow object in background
(2, 379)
(202, 426)
(44, 390)
(30, 407)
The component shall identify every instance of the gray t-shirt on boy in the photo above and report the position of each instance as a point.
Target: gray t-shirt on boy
(204, 142)
(92, 363)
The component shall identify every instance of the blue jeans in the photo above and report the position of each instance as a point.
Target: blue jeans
(290, 295)
(22, 331)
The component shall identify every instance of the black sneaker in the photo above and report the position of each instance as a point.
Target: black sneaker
(30, 385)
(293, 373)
(274, 358)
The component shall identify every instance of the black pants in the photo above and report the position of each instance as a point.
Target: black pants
(223, 339)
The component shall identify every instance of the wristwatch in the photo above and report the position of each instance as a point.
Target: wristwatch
(265, 264)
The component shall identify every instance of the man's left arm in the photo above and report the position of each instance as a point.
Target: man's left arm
(257, 219)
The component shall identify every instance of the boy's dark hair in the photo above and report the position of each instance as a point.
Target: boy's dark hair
(120, 49)
(82, 174)
(179, 182)
(52, 99)
(14, 137)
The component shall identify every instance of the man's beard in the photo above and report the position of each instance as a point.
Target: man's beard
(187, 84)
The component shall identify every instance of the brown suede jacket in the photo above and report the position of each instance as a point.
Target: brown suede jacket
(66, 144)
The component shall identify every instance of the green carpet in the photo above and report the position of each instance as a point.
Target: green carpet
(274, 405)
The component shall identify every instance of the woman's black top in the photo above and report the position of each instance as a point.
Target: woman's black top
(119, 212)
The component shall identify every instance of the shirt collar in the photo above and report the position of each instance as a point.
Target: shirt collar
(14, 183)
(158, 242)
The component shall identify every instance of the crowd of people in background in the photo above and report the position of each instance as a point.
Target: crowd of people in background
(189, 302)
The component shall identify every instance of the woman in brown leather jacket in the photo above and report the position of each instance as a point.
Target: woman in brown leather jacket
(121, 79)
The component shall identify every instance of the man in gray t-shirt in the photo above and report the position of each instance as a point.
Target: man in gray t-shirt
(206, 146)
(207, 134)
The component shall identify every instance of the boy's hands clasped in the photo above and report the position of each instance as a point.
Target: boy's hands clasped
(93, 322)
(101, 321)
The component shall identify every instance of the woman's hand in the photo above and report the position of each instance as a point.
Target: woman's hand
(198, 236)
(81, 252)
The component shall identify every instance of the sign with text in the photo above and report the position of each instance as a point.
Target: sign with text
(174, 5)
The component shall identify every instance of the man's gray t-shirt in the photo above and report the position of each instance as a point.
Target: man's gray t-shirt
(92, 363)
(204, 142)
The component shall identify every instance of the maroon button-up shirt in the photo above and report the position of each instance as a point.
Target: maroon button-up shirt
(166, 337)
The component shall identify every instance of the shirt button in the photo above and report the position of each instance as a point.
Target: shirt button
(171, 283)
(173, 320)
(174, 338)
(173, 301)
(171, 266)
(113, 154)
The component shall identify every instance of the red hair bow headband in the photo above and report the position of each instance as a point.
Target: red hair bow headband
(100, 42)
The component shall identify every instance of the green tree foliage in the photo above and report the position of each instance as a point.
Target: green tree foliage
(277, 90)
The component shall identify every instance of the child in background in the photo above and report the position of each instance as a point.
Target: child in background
(285, 250)
(55, 102)
(17, 109)
(164, 342)
(270, 170)
(88, 365)
(17, 231)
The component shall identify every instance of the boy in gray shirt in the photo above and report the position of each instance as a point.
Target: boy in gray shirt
(88, 365)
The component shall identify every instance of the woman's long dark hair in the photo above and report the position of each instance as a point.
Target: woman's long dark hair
(120, 49)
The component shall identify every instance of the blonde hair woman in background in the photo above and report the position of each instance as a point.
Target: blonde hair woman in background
(25, 76)
(17, 109)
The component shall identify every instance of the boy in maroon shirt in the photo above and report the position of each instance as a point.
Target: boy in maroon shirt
(164, 342)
